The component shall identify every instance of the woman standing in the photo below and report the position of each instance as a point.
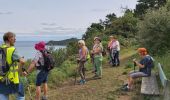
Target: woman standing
(83, 53)
(97, 52)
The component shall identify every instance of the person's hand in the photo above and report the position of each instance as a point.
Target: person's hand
(78, 60)
(24, 73)
(92, 52)
(134, 60)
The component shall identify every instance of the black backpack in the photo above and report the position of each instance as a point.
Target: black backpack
(4, 67)
(49, 61)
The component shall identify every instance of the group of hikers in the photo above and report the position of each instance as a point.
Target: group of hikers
(12, 69)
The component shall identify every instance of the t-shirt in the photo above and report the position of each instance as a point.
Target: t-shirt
(146, 61)
(38, 58)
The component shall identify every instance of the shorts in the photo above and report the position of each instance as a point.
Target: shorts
(137, 74)
(42, 77)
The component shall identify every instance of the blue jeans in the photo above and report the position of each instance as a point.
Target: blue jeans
(18, 90)
(6, 97)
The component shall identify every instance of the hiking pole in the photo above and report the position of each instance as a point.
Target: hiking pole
(134, 64)
(28, 86)
(75, 77)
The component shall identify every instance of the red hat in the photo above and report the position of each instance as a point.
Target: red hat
(40, 45)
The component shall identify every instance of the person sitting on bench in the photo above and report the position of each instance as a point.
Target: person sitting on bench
(145, 65)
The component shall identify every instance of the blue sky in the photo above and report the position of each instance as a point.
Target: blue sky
(55, 19)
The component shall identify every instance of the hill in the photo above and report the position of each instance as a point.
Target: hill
(62, 42)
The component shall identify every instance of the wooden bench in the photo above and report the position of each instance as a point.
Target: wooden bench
(150, 86)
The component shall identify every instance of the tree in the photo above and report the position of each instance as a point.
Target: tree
(154, 31)
(144, 5)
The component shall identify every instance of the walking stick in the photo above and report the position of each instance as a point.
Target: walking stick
(134, 65)
(75, 77)
(28, 86)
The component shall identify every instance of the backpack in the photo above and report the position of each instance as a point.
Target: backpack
(49, 61)
(151, 61)
(103, 52)
(4, 67)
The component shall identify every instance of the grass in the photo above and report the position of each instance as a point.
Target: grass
(164, 61)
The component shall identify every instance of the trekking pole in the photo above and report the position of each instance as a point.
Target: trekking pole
(75, 77)
(134, 64)
(28, 86)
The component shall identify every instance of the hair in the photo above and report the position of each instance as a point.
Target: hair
(114, 37)
(8, 35)
(142, 51)
(81, 42)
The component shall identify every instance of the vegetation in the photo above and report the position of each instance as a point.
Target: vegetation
(146, 26)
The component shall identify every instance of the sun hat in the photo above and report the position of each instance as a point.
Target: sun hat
(97, 38)
(40, 45)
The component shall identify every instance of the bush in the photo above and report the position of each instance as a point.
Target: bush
(154, 31)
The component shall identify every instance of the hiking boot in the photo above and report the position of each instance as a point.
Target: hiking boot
(44, 98)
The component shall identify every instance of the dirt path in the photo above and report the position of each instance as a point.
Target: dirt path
(107, 88)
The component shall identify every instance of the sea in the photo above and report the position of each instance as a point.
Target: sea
(26, 48)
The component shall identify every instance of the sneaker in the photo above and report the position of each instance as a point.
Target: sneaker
(82, 82)
(126, 89)
(44, 98)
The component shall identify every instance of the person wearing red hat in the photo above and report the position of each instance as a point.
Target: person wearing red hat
(145, 65)
(42, 75)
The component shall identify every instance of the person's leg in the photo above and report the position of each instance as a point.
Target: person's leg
(81, 70)
(114, 58)
(45, 89)
(20, 97)
(117, 58)
(38, 92)
(21, 94)
(4, 97)
(98, 61)
(133, 76)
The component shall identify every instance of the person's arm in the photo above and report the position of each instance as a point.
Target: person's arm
(33, 64)
(139, 65)
(97, 50)
(19, 59)
(31, 67)
(83, 53)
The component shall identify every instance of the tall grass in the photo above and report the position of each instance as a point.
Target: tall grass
(165, 62)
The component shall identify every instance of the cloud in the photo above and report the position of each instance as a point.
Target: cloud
(99, 10)
(48, 24)
(5, 13)
(60, 29)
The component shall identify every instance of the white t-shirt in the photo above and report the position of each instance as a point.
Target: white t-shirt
(38, 57)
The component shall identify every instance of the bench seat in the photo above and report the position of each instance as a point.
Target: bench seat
(149, 85)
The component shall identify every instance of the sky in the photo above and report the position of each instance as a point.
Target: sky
(34, 20)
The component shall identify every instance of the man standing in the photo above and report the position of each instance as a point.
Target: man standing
(9, 82)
